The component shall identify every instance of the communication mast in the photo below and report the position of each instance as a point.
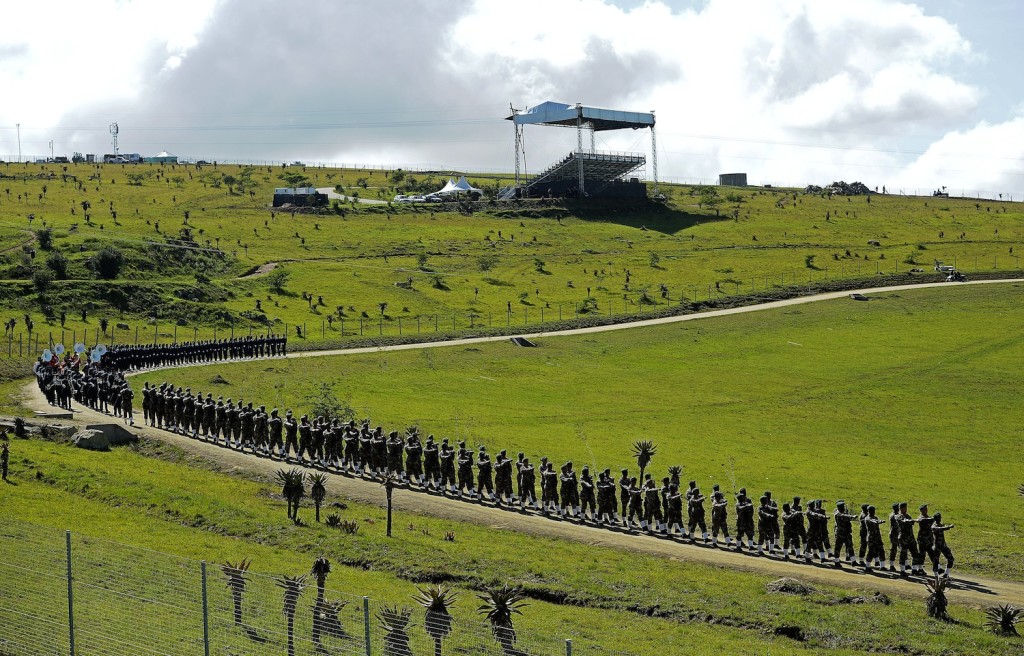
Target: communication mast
(113, 136)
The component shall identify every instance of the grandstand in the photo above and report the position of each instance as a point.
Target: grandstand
(582, 173)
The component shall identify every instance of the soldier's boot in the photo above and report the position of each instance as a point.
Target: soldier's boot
(945, 574)
(760, 550)
(714, 541)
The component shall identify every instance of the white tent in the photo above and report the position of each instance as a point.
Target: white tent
(462, 187)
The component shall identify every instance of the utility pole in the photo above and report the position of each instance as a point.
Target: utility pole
(19, 141)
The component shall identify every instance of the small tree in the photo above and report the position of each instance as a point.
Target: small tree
(276, 279)
(104, 324)
(1003, 619)
(437, 599)
(317, 490)
(500, 604)
(383, 307)
(236, 581)
(230, 181)
(395, 622)
(644, 451)
(293, 587)
(324, 403)
(936, 602)
(293, 488)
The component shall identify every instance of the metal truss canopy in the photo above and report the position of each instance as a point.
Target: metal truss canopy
(597, 119)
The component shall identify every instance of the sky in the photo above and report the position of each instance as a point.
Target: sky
(909, 95)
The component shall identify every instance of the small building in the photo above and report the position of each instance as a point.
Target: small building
(298, 196)
(163, 157)
(732, 179)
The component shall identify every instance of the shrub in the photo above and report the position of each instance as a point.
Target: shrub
(45, 238)
(41, 279)
(323, 403)
(487, 262)
(108, 262)
(58, 264)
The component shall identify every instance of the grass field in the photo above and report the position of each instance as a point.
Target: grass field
(153, 497)
(912, 396)
(498, 263)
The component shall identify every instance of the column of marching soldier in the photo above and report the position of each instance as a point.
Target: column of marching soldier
(346, 448)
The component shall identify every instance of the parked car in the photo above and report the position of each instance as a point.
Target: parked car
(433, 198)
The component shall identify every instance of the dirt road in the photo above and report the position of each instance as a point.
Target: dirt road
(965, 589)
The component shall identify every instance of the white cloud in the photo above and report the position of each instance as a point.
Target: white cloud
(984, 158)
(791, 91)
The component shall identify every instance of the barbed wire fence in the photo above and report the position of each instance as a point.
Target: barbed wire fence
(68, 594)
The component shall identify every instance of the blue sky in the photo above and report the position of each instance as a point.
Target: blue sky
(910, 95)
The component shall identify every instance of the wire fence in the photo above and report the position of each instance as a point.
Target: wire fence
(64, 593)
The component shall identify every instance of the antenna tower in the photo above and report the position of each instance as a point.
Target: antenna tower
(113, 136)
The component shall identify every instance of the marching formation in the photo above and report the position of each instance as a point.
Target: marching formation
(93, 386)
(792, 532)
(127, 357)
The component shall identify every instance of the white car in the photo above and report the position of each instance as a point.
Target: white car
(433, 198)
(402, 198)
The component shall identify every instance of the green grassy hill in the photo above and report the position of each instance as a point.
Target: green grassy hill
(380, 265)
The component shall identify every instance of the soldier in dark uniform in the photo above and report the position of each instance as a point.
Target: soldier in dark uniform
(484, 475)
(894, 535)
(291, 440)
(210, 417)
(275, 428)
(798, 522)
(588, 499)
(431, 463)
(765, 525)
(223, 425)
(246, 419)
(147, 404)
(5, 458)
(666, 482)
(550, 488)
(876, 551)
(635, 504)
(503, 478)
(653, 518)
(674, 516)
(414, 458)
(908, 544)
(465, 461)
(569, 497)
(790, 535)
(863, 546)
(776, 529)
(396, 449)
(305, 439)
(624, 483)
(697, 515)
(188, 412)
(744, 519)
(332, 442)
(447, 457)
(260, 430)
(351, 438)
(939, 546)
(378, 451)
(235, 416)
(529, 483)
(925, 542)
(519, 474)
(815, 532)
(365, 449)
(316, 441)
(720, 518)
(844, 533)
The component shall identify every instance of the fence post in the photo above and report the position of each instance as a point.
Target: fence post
(366, 623)
(206, 613)
(71, 602)
(568, 647)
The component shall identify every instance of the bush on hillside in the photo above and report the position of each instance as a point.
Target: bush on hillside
(108, 262)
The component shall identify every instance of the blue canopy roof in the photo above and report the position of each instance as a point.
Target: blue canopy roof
(555, 113)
